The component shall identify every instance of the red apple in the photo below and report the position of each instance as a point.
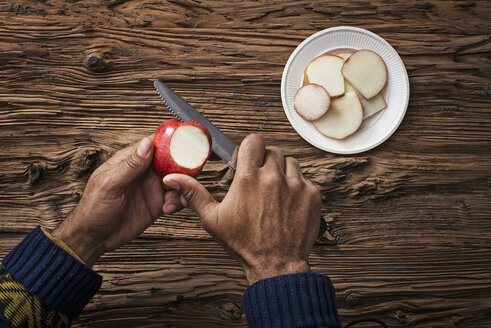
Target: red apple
(181, 147)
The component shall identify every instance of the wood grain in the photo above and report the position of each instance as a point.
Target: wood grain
(409, 222)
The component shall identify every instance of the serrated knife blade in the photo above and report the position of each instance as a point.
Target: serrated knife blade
(220, 143)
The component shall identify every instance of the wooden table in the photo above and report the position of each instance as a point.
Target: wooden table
(409, 222)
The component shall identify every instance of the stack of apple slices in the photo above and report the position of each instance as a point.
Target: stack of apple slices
(341, 91)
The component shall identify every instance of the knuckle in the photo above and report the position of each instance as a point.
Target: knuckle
(132, 162)
(253, 138)
(294, 165)
(273, 178)
(296, 183)
(291, 160)
(188, 194)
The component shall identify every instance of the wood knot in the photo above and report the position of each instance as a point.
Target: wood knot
(454, 320)
(229, 309)
(351, 298)
(95, 62)
(426, 5)
(400, 317)
(86, 161)
(76, 193)
(463, 206)
(35, 172)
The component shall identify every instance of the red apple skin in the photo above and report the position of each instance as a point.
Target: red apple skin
(163, 163)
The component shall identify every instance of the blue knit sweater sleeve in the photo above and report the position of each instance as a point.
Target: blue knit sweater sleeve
(51, 275)
(295, 300)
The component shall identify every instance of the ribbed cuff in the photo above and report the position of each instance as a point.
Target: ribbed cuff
(294, 300)
(59, 280)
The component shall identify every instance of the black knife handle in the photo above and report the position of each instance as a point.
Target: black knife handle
(323, 228)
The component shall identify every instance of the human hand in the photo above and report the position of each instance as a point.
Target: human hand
(269, 218)
(122, 198)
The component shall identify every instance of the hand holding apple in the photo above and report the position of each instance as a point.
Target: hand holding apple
(122, 198)
(125, 195)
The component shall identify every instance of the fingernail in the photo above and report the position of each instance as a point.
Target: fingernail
(172, 184)
(169, 209)
(143, 147)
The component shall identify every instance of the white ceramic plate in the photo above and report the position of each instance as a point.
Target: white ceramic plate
(375, 129)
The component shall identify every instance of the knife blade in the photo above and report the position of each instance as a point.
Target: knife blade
(220, 143)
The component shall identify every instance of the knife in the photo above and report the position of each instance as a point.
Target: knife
(220, 143)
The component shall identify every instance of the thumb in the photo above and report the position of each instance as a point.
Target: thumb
(196, 196)
(136, 161)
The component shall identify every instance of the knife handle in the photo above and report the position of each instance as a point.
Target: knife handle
(323, 228)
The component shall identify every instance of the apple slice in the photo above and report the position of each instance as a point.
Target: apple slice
(366, 71)
(344, 55)
(181, 148)
(342, 119)
(370, 106)
(325, 70)
(311, 101)
(373, 105)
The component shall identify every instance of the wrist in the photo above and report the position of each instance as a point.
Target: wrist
(87, 250)
(260, 272)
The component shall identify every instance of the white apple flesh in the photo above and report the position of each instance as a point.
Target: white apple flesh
(325, 70)
(181, 148)
(366, 71)
(311, 101)
(189, 147)
(342, 119)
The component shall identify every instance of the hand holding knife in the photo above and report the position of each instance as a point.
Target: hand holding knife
(221, 144)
